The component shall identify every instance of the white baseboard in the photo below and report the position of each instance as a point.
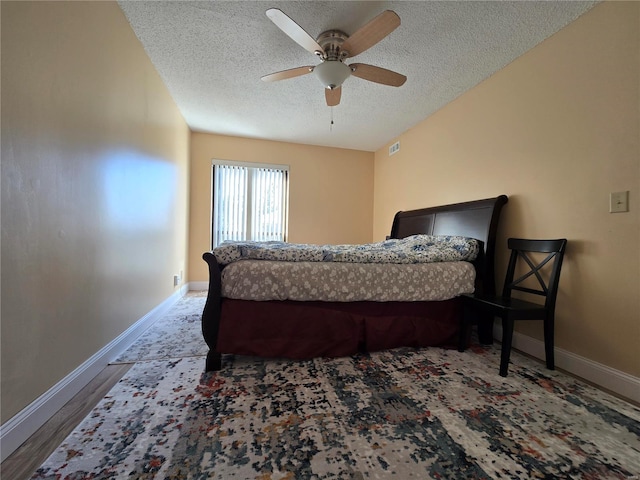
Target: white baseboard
(20, 427)
(608, 378)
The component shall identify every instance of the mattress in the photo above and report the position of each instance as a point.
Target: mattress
(263, 280)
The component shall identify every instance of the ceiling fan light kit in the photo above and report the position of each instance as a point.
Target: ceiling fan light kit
(335, 46)
(332, 73)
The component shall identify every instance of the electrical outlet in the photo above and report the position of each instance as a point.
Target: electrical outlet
(176, 280)
(618, 202)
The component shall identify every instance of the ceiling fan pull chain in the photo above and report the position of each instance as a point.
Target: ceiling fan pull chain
(331, 124)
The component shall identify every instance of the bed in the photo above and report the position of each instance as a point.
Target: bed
(301, 329)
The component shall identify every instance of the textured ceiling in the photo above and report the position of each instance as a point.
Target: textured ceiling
(211, 56)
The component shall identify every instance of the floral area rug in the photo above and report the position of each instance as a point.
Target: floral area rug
(176, 335)
(404, 413)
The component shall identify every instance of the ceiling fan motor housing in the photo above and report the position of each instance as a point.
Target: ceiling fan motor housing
(331, 42)
(332, 72)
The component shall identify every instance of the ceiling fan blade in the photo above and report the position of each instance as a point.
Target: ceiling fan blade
(370, 34)
(295, 31)
(284, 74)
(333, 96)
(377, 74)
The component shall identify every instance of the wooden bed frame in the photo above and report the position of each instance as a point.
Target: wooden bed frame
(477, 219)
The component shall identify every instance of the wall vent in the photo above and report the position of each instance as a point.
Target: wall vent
(394, 148)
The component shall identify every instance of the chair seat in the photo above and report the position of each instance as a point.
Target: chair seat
(514, 308)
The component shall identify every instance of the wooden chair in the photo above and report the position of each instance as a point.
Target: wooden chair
(510, 309)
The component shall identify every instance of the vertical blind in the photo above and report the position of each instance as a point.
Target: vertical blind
(249, 202)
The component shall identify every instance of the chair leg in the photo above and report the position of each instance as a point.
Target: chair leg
(549, 340)
(507, 337)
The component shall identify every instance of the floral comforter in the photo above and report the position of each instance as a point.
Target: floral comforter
(409, 250)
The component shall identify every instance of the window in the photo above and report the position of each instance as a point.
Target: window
(250, 201)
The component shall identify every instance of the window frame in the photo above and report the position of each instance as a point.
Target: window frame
(250, 166)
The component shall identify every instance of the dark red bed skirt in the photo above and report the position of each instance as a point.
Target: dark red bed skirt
(301, 330)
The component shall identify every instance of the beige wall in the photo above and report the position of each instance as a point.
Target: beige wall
(557, 130)
(330, 191)
(94, 189)
(95, 175)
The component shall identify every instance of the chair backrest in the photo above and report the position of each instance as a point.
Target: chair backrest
(521, 252)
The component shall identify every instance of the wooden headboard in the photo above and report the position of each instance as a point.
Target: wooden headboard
(477, 219)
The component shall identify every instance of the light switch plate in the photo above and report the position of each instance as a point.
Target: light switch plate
(618, 202)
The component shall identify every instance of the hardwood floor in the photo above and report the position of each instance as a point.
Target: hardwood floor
(22, 463)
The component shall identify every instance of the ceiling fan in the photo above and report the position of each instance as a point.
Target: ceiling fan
(333, 47)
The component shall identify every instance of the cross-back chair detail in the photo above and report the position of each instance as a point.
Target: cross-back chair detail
(509, 308)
